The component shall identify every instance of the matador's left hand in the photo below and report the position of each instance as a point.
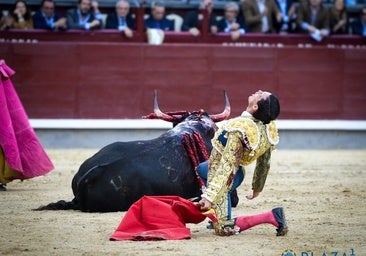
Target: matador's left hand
(254, 195)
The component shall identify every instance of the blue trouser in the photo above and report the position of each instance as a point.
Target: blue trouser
(202, 170)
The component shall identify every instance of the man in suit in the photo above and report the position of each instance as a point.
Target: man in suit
(86, 16)
(157, 18)
(230, 23)
(359, 25)
(120, 19)
(313, 18)
(47, 18)
(288, 21)
(259, 16)
(191, 20)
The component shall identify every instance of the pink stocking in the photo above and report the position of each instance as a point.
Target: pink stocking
(246, 222)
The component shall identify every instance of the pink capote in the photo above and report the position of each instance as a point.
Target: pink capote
(22, 150)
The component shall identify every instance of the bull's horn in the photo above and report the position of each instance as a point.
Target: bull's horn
(159, 114)
(225, 114)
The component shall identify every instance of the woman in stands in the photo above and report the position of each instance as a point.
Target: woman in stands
(20, 18)
(338, 18)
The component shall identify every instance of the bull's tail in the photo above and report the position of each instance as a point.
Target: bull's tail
(60, 205)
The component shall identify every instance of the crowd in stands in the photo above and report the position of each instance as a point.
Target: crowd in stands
(239, 18)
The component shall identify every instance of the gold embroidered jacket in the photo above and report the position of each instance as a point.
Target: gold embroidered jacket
(239, 141)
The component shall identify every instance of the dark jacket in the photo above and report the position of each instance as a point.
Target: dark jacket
(221, 24)
(321, 19)
(112, 21)
(334, 18)
(253, 17)
(292, 20)
(191, 20)
(73, 20)
(357, 27)
(39, 21)
(164, 24)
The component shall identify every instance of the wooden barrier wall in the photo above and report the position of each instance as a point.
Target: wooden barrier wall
(114, 80)
(110, 35)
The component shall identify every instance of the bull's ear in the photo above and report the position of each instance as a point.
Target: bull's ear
(225, 114)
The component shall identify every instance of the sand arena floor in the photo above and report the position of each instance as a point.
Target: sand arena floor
(323, 193)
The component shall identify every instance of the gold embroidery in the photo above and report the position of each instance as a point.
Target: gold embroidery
(272, 133)
(240, 141)
(248, 129)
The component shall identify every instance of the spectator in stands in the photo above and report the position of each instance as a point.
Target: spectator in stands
(157, 18)
(86, 16)
(121, 19)
(2, 19)
(47, 18)
(288, 21)
(19, 18)
(191, 21)
(359, 25)
(338, 18)
(259, 15)
(230, 23)
(313, 18)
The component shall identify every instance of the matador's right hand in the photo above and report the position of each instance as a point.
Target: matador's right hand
(205, 205)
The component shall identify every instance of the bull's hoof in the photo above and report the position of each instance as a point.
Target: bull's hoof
(210, 225)
(2, 187)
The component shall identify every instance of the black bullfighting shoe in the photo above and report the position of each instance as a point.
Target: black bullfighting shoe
(280, 218)
(226, 229)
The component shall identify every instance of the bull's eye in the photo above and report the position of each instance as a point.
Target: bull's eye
(173, 175)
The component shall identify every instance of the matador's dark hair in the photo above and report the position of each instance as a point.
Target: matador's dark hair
(268, 109)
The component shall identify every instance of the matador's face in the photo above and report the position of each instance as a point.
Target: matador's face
(257, 96)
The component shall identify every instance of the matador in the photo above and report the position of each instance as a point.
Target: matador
(239, 142)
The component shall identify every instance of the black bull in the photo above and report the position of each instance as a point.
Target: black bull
(122, 172)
